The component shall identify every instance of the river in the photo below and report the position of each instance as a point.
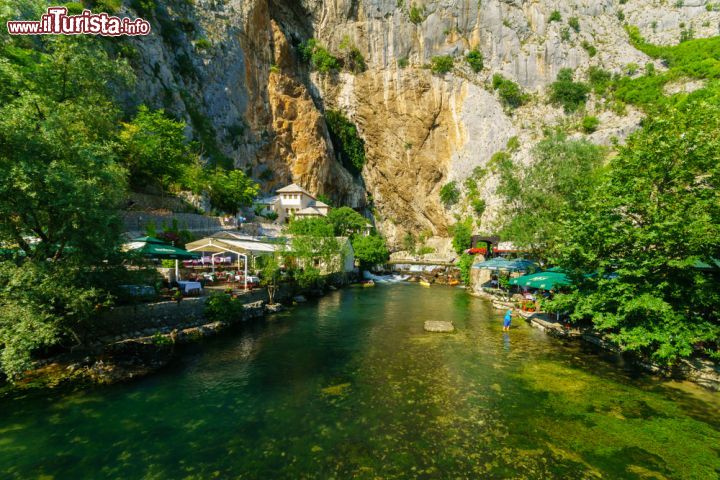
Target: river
(351, 386)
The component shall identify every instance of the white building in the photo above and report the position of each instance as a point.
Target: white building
(293, 201)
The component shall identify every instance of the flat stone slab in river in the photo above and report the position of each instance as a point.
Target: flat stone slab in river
(438, 326)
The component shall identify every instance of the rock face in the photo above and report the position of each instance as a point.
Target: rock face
(233, 71)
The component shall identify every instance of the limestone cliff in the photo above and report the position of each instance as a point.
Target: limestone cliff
(232, 68)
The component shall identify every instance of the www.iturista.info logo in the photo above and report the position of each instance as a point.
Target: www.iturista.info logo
(57, 22)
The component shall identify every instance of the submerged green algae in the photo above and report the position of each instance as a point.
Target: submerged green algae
(353, 387)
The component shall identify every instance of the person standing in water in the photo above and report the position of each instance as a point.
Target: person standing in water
(506, 322)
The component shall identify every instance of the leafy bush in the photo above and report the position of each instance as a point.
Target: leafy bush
(441, 64)
(354, 60)
(308, 277)
(565, 34)
(417, 14)
(403, 62)
(574, 23)
(555, 16)
(479, 205)
(408, 242)
(203, 44)
(465, 266)
(590, 124)
(449, 193)
(589, 48)
(346, 140)
(425, 250)
(647, 296)
(347, 222)
(318, 56)
(567, 93)
(599, 79)
(475, 59)
(222, 307)
(154, 149)
(510, 92)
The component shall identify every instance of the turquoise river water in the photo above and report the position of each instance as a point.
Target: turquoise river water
(351, 386)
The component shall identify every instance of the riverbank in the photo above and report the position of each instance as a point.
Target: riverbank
(137, 340)
(700, 371)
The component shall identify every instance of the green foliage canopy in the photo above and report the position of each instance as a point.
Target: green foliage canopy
(231, 190)
(538, 198)
(59, 178)
(347, 222)
(155, 149)
(370, 250)
(654, 214)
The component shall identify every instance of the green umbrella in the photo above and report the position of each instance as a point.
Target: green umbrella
(154, 248)
(148, 240)
(548, 280)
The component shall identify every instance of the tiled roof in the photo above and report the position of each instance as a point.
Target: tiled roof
(318, 203)
(309, 211)
(294, 188)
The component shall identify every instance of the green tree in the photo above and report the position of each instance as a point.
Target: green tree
(312, 226)
(43, 304)
(370, 250)
(60, 182)
(567, 93)
(347, 222)
(538, 198)
(462, 235)
(155, 149)
(231, 190)
(316, 251)
(655, 214)
(271, 274)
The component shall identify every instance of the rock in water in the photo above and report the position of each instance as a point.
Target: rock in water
(438, 326)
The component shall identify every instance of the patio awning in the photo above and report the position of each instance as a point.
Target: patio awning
(499, 263)
(242, 246)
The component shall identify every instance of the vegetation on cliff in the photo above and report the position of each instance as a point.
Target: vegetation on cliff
(346, 139)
